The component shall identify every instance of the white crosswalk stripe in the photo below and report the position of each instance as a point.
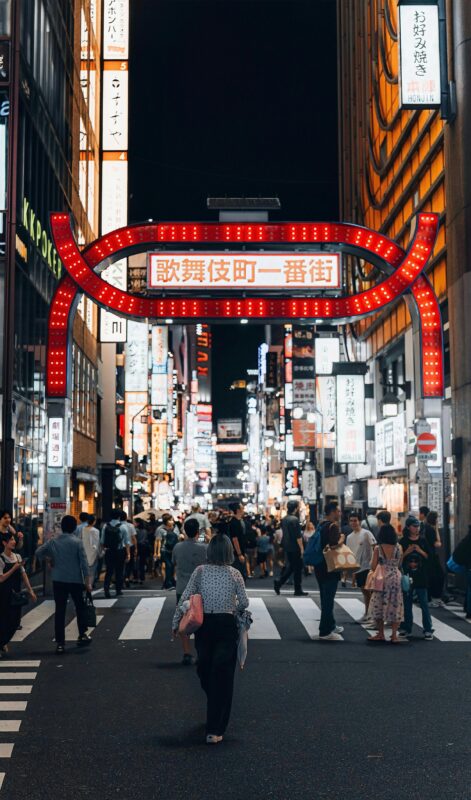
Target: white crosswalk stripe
(308, 614)
(34, 619)
(72, 632)
(143, 620)
(263, 626)
(442, 631)
(8, 672)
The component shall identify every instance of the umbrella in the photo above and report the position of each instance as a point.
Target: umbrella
(156, 511)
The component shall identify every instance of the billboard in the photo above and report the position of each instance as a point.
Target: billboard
(229, 429)
(257, 271)
(390, 444)
(304, 387)
(115, 106)
(351, 443)
(419, 50)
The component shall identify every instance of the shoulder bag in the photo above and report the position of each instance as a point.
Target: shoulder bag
(193, 617)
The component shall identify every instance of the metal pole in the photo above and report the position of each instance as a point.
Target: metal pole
(318, 411)
(132, 457)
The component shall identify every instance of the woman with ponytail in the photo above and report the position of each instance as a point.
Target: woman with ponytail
(223, 594)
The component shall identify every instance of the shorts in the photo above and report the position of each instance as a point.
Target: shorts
(361, 577)
(262, 558)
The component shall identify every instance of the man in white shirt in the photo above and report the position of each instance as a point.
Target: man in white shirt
(361, 543)
(131, 566)
(203, 522)
(91, 542)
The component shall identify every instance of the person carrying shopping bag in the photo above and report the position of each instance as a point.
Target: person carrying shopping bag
(12, 575)
(223, 595)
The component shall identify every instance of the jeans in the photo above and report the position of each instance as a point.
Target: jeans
(293, 566)
(216, 645)
(61, 595)
(328, 590)
(169, 570)
(422, 597)
(114, 561)
(467, 606)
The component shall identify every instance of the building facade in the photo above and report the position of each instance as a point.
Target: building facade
(53, 118)
(393, 168)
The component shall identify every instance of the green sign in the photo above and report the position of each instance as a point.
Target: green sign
(40, 239)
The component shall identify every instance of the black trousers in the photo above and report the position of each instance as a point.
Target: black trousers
(114, 562)
(10, 616)
(61, 595)
(293, 566)
(142, 556)
(216, 645)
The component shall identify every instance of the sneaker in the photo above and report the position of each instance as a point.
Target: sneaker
(188, 660)
(60, 649)
(339, 629)
(276, 586)
(434, 604)
(301, 594)
(403, 634)
(84, 639)
(332, 637)
(428, 636)
(211, 739)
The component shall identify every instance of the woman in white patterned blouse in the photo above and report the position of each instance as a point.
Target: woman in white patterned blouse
(223, 593)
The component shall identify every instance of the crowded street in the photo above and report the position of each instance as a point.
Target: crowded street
(309, 717)
(235, 393)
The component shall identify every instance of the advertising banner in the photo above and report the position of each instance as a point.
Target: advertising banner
(229, 429)
(390, 444)
(304, 386)
(136, 353)
(419, 50)
(351, 443)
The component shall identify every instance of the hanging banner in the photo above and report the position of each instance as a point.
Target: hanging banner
(419, 56)
(304, 387)
(136, 355)
(327, 353)
(351, 444)
(55, 444)
(158, 447)
(116, 29)
(135, 411)
(115, 106)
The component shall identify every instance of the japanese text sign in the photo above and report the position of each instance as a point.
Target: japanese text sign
(419, 56)
(172, 270)
(351, 446)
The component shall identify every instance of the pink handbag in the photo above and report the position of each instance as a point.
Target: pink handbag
(193, 618)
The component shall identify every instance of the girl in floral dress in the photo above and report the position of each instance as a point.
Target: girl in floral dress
(387, 606)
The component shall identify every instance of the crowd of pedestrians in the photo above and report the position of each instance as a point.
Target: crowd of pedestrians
(208, 558)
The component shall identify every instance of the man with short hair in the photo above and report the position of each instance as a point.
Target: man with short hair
(292, 543)
(186, 556)
(361, 543)
(237, 535)
(383, 518)
(83, 517)
(131, 541)
(202, 520)
(69, 576)
(114, 541)
(168, 542)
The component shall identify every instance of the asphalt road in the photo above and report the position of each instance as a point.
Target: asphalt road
(124, 719)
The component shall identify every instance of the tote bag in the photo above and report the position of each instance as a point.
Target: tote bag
(193, 617)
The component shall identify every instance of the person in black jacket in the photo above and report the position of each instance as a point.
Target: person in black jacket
(237, 535)
(328, 582)
(292, 543)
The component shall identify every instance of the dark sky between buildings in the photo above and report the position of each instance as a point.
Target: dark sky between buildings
(237, 98)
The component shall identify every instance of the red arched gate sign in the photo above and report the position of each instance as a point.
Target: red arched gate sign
(405, 275)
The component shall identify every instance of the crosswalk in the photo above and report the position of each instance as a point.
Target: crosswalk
(135, 617)
(16, 680)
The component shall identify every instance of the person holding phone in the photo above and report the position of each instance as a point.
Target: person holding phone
(12, 575)
(416, 555)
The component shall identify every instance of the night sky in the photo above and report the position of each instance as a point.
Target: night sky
(233, 97)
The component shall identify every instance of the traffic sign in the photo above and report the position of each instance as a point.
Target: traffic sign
(426, 442)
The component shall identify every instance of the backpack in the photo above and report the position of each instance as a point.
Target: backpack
(171, 539)
(112, 538)
(313, 555)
